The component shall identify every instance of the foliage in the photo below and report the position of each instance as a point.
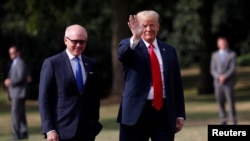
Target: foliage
(244, 60)
(186, 31)
(228, 18)
(38, 28)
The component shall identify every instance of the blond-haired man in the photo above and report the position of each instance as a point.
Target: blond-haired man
(152, 104)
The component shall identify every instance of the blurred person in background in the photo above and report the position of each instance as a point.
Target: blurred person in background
(17, 84)
(223, 68)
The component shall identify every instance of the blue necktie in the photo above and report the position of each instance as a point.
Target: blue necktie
(79, 77)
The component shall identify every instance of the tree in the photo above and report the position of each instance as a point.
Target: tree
(38, 28)
(193, 38)
(119, 31)
(196, 25)
(205, 82)
(189, 25)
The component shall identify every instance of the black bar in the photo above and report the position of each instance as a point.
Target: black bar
(239, 132)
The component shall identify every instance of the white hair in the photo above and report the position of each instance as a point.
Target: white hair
(68, 29)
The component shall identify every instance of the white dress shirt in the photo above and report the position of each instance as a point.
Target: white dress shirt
(133, 45)
(223, 54)
(72, 62)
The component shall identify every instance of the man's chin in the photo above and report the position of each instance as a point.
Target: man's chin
(77, 53)
(149, 38)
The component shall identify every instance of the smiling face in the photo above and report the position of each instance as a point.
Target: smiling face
(149, 21)
(75, 39)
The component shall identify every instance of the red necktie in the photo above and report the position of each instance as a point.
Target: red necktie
(156, 78)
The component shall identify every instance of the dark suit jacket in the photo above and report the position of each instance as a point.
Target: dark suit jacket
(61, 106)
(226, 67)
(137, 76)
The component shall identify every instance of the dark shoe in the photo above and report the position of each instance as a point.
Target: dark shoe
(223, 123)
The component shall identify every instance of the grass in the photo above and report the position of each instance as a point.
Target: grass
(201, 111)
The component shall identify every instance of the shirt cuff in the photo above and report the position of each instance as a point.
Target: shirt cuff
(50, 132)
(133, 43)
(180, 118)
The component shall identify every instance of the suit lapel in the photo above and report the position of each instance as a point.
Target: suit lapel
(163, 51)
(68, 68)
(227, 57)
(224, 62)
(218, 58)
(164, 56)
(86, 67)
(88, 71)
(142, 48)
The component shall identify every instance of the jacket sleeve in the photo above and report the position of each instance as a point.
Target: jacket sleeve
(20, 75)
(45, 98)
(232, 66)
(213, 69)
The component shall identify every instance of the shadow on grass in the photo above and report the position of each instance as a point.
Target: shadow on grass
(35, 130)
(193, 118)
(190, 81)
(240, 95)
(110, 124)
(199, 116)
(6, 107)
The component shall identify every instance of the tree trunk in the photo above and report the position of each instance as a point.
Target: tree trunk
(120, 30)
(206, 82)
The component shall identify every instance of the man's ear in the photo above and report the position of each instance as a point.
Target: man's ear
(65, 41)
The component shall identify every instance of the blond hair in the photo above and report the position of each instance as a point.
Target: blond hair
(148, 14)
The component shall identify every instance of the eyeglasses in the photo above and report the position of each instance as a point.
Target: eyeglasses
(81, 42)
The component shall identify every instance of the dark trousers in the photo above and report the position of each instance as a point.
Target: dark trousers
(19, 122)
(76, 139)
(152, 125)
(81, 135)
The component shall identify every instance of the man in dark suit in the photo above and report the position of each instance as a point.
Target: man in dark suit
(69, 100)
(223, 68)
(17, 89)
(152, 104)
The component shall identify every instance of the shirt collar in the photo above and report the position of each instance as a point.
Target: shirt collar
(221, 51)
(154, 43)
(15, 60)
(72, 56)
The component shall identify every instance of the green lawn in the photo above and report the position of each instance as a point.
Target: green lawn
(201, 111)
